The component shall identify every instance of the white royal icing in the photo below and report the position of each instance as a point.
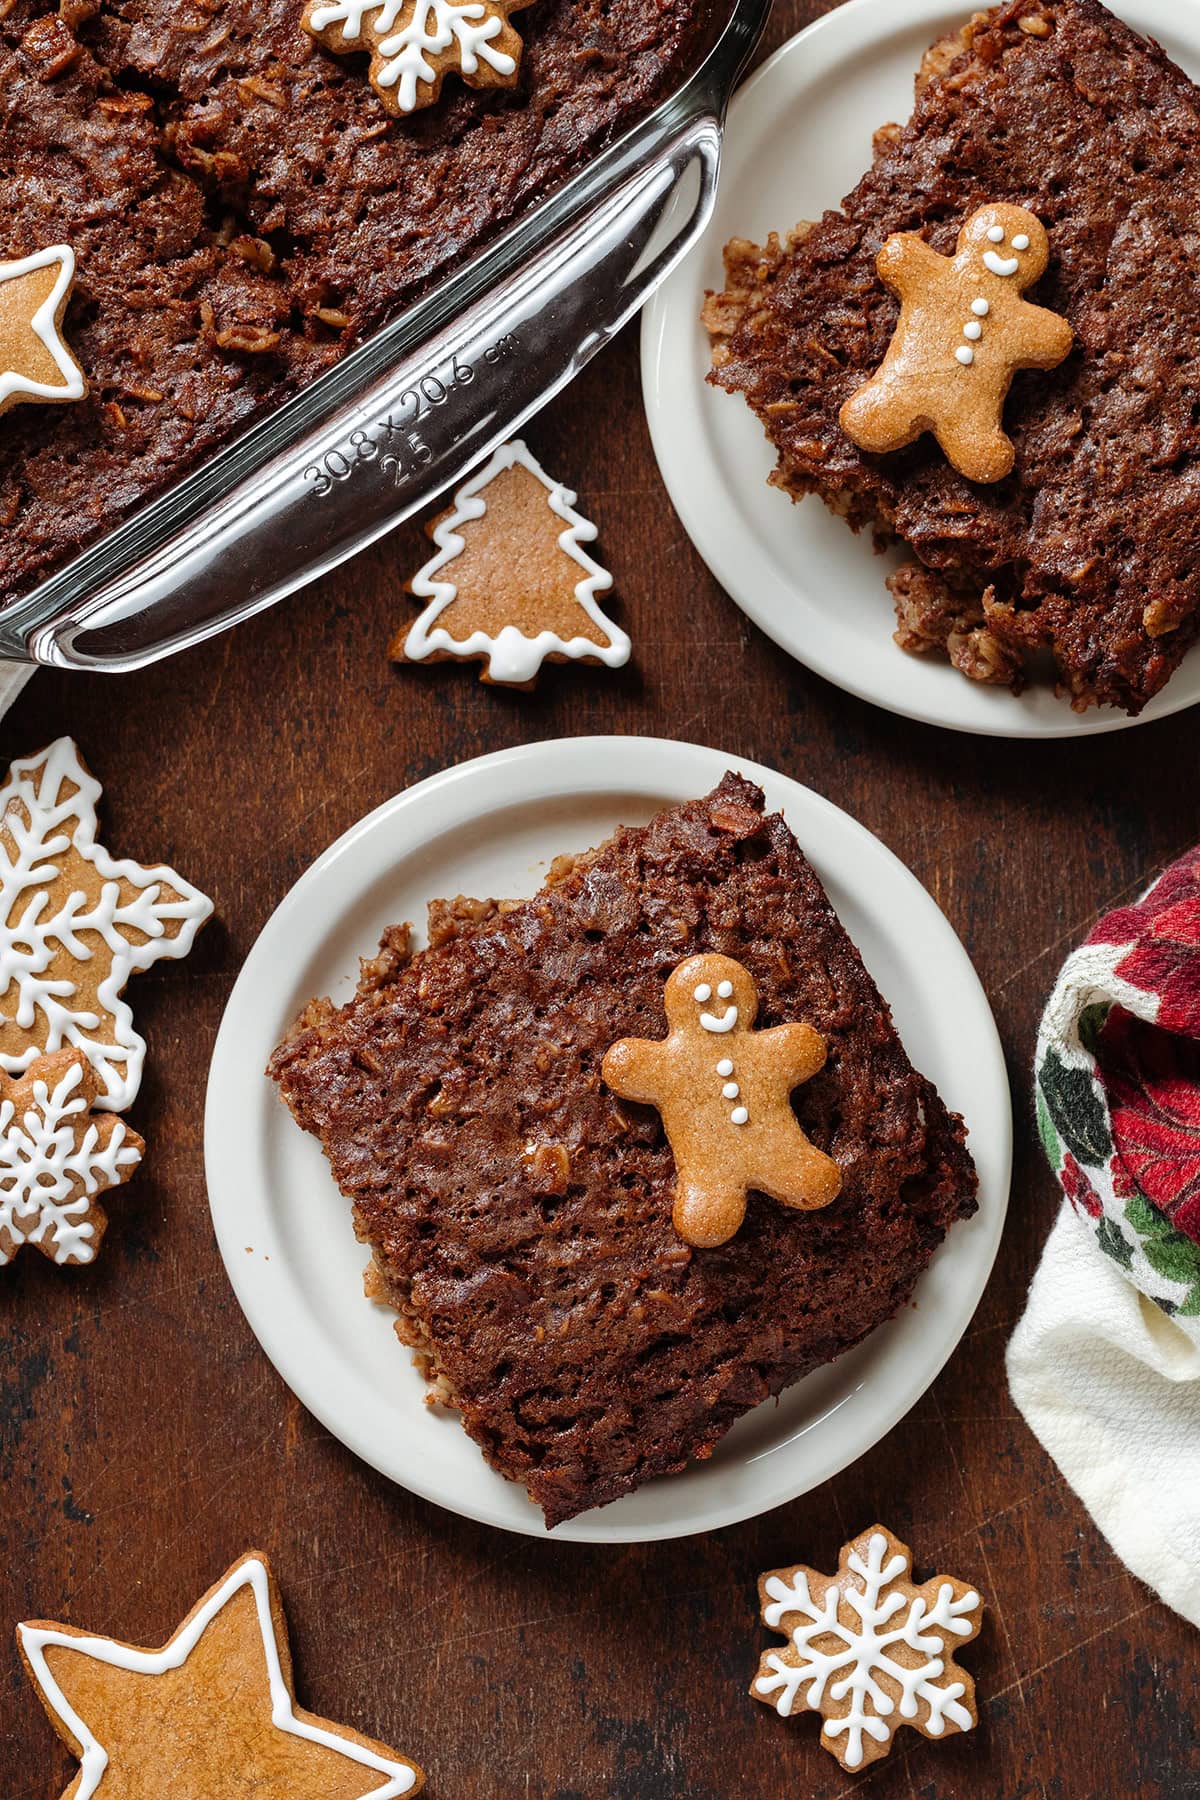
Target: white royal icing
(1021, 241)
(996, 233)
(36, 1639)
(730, 1089)
(44, 325)
(404, 55)
(512, 656)
(973, 330)
(47, 1179)
(965, 355)
(48, 807)
(1001, 265)
(849, 1671)
(981, 308)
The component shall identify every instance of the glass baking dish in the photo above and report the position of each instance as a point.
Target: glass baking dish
(381, 434)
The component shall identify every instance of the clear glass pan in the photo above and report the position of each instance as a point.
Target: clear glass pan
(380, 435)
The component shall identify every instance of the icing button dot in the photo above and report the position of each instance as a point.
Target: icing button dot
(965, 355)
(973, 330)
(702, 993)
(725, 1066)
(731, 1090)
(739, 1116)
(981, 308)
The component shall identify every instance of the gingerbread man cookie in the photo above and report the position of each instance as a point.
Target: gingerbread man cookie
(964, 331)
(414, 43)
(724, 1091)
(35, 364)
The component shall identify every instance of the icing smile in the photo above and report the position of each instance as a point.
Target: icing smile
(710, 1021)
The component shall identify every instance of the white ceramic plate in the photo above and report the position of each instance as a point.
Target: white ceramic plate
(799, 138)
(491, 827)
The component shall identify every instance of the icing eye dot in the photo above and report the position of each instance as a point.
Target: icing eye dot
(965, 355)
(724, 1067)
(996, 234)
(739, 1116)
(981, 308)
(973, 330)
(725, 989)
(702, 993)
(1020, 242)
(731, 1090)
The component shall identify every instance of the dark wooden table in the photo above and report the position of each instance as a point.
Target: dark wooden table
(145, 1441)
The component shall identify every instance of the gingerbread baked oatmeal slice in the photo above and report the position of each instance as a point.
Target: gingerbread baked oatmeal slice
(519, 1214)
(1090, 549)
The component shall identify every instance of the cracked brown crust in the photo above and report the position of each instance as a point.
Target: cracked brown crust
(520, 1216)
(1091, 549)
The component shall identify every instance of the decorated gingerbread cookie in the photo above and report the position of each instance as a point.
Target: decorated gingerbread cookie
(869, 1650)
(724, 1091)
(511, 583)
(76, 923)
(57, 1157)
(210, 1716)
(963, 333)
(36, 367)
(413, 44)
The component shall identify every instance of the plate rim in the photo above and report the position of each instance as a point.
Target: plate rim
(555, 767)
(835, 36)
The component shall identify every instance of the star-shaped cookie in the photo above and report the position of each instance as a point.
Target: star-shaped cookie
(210, 1716)
(35, 363)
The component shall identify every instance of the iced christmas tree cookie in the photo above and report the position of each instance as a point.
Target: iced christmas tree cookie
(868, 1649)
(511, 584)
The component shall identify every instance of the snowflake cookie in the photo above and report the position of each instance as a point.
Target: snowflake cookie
(75, 923)
(212, 1714)
(35, 364)
(511, 582)
(868, 1650)
(414, 43)
(56, 1156)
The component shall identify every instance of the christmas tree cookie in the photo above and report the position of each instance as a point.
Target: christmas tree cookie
(511, 584)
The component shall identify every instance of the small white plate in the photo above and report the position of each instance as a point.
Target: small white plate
(491, 827)
(798, 139)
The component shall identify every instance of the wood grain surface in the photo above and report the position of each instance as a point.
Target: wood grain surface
(145, 1441)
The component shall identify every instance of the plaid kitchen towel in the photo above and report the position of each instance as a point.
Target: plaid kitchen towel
(13, 677)
(1105, 1364)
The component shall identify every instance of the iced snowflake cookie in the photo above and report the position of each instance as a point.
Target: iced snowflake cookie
(35, 364)
(724, 1092)
(413, 44)
(213, 1713)
(56, 1157)
(963, 333)
(76, 923)
(511, 583)
(869, 1650)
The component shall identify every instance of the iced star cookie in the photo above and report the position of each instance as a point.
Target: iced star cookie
(76, 923)
(36, 365)
(56, 1158)
(868, 1650)
(724, 1092)
(963, 333)
(413, 44)
(511, 584)
(210, 1716)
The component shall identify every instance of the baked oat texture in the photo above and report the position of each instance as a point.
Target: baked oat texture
(244, 211)
(1091, 548)
(519, 1214)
